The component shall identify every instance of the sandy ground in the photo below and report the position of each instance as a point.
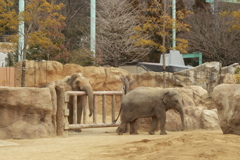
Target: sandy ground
(104, 143)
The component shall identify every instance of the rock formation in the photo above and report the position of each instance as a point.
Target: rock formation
(32, 112)
(26, 113)
(227, 97)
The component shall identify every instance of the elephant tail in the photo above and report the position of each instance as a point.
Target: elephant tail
(114, 121)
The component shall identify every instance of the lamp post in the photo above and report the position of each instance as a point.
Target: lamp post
(174, 24)
(21, 31)
(93, 26)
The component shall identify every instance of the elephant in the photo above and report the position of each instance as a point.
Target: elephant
(152, 102)
(78, 82)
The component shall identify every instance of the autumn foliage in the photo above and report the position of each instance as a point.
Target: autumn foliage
(158, 25)
(43, 28)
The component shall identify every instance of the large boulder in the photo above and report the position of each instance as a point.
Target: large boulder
(227, 97)
(205, 75)
(209, 119)
(26, 113)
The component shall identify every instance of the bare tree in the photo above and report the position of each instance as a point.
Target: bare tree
(210, 35)
(116, 20)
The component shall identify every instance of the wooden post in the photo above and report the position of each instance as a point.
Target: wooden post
(75, 109)
(60, 89)
(94, 109)
(113, 107)
(104, 108)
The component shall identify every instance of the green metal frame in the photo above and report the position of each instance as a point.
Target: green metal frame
(230, 1)
(194, 55)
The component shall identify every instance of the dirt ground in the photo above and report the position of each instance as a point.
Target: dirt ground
(105, 144)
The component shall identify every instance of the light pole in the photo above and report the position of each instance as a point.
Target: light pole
(93, 26)
(21, 31)
(174, 24)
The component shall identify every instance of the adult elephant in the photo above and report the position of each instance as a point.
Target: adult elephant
(78, 82)
(152, 102)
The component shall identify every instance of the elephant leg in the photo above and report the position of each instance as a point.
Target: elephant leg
(133, 127)
(162, 124)
(154, 125)
(126, 128)
(80, 104)
(120, 130)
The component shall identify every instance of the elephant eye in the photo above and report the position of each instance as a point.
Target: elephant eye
(77, 82)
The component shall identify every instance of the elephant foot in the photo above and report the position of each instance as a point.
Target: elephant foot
(119, 131)
(134, 133)
(163, 133)
(151, 133)
(77, 130)
(125, 130)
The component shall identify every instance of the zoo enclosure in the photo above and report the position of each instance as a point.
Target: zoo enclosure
(95, 124)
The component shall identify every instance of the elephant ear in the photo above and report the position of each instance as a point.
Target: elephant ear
(165, 97)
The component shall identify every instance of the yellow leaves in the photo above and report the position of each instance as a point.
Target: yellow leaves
(43, 23)
(162, 49)
(146, 26)
(224, 13)
(182, 45)
(145, 42)
(8, 16)
(138, 28)
(157, 25)
(235, 23)
(39, 38)
(6, 3)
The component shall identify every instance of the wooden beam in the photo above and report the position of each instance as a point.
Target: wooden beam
(79, 126)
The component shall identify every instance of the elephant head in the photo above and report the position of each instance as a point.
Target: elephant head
(172, 100)
(79, 82)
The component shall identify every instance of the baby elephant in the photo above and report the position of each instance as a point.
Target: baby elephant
(152, 102)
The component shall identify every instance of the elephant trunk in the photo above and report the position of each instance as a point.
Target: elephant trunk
(89, 91)
(180, 110)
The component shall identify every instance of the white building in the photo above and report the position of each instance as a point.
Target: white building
(2, 59)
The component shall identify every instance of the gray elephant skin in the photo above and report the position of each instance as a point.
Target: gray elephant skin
(152, 102)
(79, 82)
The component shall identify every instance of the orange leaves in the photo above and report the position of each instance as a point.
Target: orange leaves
(42, 21)
(157, 24)
(236, 22)
(8, 16)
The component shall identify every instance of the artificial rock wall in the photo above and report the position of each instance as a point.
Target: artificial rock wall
(29, 112)
(26, 113)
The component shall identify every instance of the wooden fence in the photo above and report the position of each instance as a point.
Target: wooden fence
(7, 76)
(95, 124)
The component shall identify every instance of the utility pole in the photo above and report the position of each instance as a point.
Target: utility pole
(93, 26)
(164, 42)
(21, 32)
(174, 24)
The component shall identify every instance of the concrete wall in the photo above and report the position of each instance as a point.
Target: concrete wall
(134, 69)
